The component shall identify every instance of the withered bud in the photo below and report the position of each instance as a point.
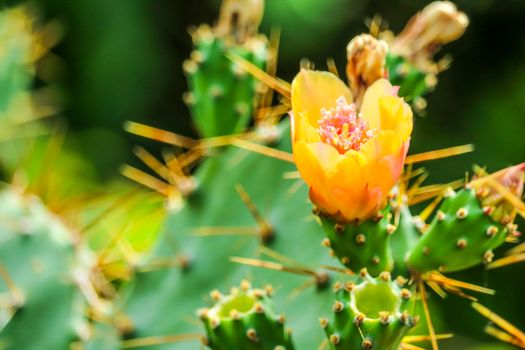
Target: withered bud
(366, 58)
(438, 23)
(240, 18)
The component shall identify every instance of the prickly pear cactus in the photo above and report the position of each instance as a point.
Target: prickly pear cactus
(370, 314)
(21, 48)
(233, 227)
(222, 96)
(40, 270)
(244, 319)
(362, 245)
(242, 217)
(461, 235)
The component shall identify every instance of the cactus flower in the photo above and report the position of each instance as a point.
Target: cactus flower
(350, 159)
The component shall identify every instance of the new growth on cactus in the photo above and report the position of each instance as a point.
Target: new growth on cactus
(372, 313)
(244, 319)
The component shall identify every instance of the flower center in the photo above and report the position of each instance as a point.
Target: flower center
(342, 128)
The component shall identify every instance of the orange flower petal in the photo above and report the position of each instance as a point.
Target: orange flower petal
(322, 199)
(316, 161)
(348, 174)
(364, 203)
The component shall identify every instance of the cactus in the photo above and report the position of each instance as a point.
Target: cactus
(205, 238)
(461, 235)
(405, 238)
(413, 83)
(238, 216)
(222, 96)
(19, 42)
(244, 319)
(40, 270)
(362, 245)
(370, 314)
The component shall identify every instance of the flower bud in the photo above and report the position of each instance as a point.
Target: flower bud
(366, 58)
(437, 24)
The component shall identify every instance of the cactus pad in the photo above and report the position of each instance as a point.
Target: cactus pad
(460, 236)
(362, 245)
(44, 308)
(222, 95)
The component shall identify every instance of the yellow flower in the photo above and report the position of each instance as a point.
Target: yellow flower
(350, 159)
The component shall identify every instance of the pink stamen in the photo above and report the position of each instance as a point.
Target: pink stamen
(342, 128)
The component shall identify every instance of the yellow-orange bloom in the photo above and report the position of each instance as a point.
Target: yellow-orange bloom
(350, 159)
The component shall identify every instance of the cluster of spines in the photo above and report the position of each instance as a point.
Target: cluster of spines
(361, 245)
(461, 235)
(353, 328)
(244, 319)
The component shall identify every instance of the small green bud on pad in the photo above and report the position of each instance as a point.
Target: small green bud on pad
(370, 315)
(244, 319)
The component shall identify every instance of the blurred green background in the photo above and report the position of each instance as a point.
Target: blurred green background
(121, 60)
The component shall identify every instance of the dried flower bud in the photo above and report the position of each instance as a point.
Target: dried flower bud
(437, 24)
(240, 18)
(366, 57)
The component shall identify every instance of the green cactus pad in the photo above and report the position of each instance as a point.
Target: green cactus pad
(44, 308)
(369, 315)
(244, 320)
(363, 245)
(460, 236)
(222, 95)
(403, 240)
